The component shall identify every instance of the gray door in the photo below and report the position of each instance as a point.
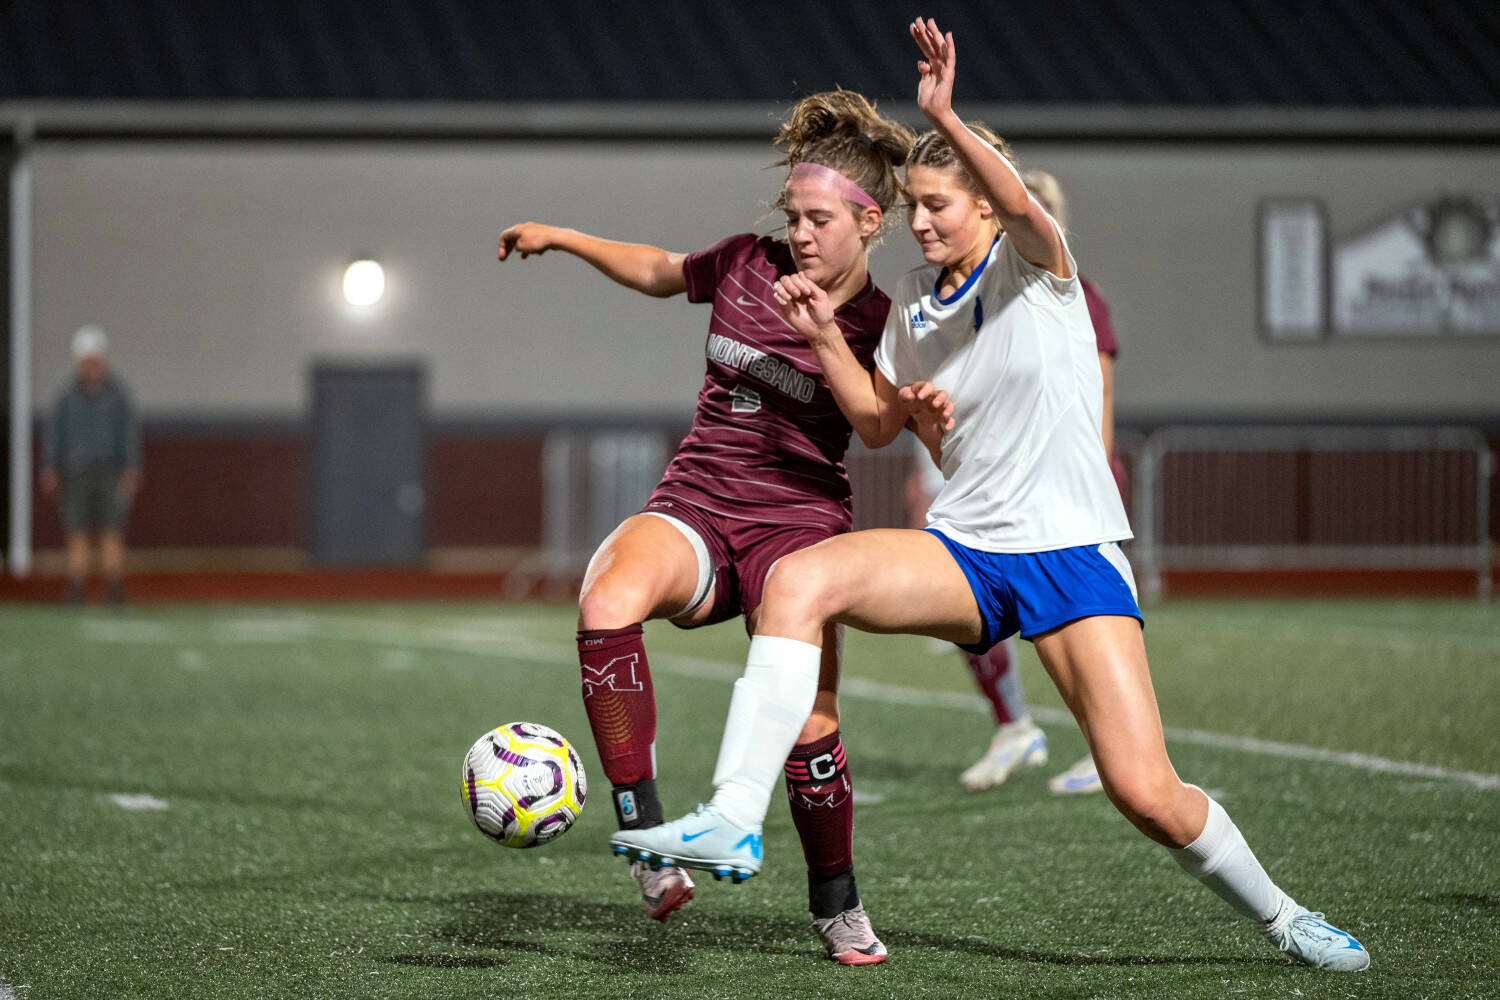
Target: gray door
(366, 445)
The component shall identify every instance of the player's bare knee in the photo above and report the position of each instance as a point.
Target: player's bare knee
(611, 601)
(795, 592)
(1151, 805)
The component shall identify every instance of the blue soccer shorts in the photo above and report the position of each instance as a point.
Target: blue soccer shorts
(1035, 592)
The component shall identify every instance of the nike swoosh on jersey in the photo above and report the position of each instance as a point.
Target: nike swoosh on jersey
(745, 300)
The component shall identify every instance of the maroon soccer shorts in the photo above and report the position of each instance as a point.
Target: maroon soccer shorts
(742, 550)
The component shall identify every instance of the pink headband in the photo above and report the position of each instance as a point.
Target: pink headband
(843, 185)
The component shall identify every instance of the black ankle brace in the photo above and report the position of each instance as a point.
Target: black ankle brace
(636, 806)
(828, 897)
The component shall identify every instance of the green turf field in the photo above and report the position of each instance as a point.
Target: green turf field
(312, 842)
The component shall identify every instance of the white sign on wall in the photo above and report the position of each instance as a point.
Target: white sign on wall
(1429, 269)
(1293, 268)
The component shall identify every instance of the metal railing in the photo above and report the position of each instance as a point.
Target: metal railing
(1312, 498)
(591, 481)
(1203, 497)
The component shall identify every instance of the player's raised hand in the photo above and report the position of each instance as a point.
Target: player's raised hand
(937, 66)
(526, 239)
(926, 403)
(804, 305)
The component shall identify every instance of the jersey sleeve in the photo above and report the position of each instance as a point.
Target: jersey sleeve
(893, 353)
(1038, 282)
(704, 268)
(1104, 331)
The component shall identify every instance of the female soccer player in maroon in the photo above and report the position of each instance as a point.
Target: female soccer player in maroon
(760, 475)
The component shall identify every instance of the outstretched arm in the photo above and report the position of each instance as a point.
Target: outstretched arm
(644, 268)
(867, 400)
(1026, 222)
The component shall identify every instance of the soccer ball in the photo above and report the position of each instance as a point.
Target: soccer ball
(523, 784)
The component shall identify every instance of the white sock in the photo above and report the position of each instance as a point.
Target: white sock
(770, 705)
(1221, 860)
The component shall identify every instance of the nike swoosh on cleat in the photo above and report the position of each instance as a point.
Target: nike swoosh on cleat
(686, 837)
(1353, 945)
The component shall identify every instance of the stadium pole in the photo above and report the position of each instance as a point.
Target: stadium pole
(20, 352)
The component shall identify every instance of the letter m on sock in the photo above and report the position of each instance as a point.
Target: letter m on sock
(617, 675)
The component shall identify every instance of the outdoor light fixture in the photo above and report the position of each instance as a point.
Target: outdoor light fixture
(364, 282)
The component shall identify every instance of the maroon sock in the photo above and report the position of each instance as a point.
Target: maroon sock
(991, 672)
(822, 798)
(621, 706)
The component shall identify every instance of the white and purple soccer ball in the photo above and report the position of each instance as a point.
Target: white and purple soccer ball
(523, 784)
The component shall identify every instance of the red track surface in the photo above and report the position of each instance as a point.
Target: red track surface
(316, 585)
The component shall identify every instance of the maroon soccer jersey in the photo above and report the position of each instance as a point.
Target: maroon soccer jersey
(768, 439)
(1104, 331)
(1104, 335)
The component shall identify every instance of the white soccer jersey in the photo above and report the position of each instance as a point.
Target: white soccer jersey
(1024, 466)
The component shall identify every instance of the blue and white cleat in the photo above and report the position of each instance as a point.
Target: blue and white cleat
(702, 840)
(1080, 779)
(1311, 940)
(1015, 745)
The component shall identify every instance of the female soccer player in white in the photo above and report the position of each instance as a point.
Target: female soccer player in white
(760, 475)
(1022, 537)
(1019, 742)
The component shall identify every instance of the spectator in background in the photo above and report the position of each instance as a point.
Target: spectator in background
(92, 460)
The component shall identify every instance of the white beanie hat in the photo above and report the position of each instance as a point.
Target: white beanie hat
(89, 341)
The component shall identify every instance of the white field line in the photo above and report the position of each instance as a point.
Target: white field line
(109, 630)
(1345, 635)
(487, 642)
(137, 803)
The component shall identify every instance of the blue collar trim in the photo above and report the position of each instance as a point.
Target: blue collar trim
(968, 282)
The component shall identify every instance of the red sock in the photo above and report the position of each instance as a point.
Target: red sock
(621, 705)
(822, 797)
(994, 672)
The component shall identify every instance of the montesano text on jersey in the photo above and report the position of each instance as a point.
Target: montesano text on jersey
(767, 432)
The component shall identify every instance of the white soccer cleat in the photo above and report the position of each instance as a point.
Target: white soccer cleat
(702, 839)
(1080, 779)
(850, 939)
(663, 890)
(1015, 744)
(1311, 940)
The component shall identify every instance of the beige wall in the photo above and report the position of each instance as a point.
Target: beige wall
(1168, 233)
(216, 268)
